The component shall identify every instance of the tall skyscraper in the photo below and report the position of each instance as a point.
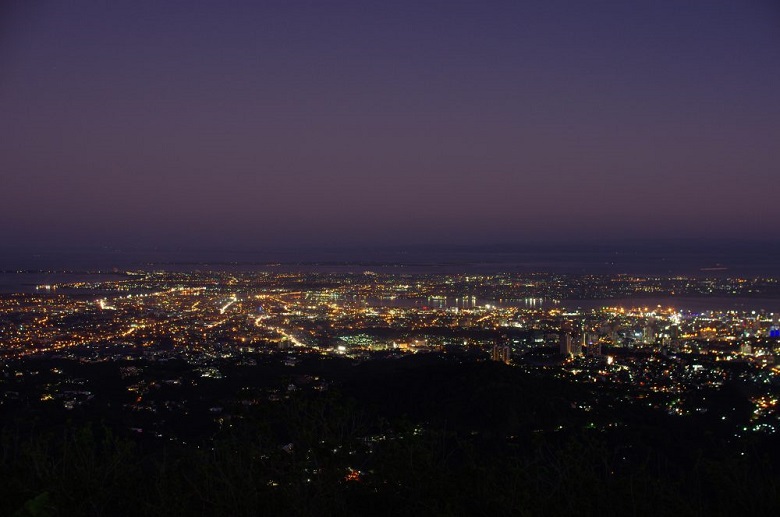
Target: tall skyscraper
(565, 344)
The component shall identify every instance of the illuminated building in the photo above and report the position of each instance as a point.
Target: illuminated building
(500, 353)
(565, 344)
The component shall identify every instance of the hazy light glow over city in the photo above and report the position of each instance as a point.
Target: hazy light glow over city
(279, 123)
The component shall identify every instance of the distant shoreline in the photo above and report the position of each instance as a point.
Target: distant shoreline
(30, 282)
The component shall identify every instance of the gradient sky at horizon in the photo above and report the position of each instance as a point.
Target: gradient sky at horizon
(273, 123)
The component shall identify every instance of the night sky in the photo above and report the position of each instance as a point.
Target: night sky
(284, 123)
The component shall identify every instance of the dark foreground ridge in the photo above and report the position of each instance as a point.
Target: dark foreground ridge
(422, 435)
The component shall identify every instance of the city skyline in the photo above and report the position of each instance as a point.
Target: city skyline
(281, 392)
(292, 125)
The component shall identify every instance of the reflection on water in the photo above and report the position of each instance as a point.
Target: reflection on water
(470, 302)
(447, 302)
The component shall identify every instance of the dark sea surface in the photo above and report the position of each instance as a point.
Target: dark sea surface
(733, 259)
(28, 282)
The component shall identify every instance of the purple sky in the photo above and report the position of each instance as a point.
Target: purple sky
(275, 123)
